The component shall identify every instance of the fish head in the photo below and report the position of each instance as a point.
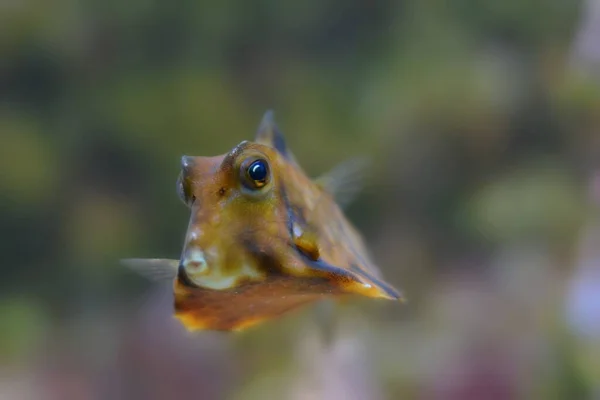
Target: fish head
(236, 212)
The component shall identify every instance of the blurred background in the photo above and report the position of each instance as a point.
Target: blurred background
(483, 203)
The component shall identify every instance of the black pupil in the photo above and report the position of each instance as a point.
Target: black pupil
(258, 171)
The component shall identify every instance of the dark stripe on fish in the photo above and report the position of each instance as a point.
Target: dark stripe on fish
(326, 267)
(266, 261)
(291, 216)
(294, 213)
(279, 144)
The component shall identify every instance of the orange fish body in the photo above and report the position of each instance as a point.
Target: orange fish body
(263, 239)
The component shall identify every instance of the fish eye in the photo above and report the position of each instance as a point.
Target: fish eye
(256, 173)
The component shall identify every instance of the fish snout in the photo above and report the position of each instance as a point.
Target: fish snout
(194, 262)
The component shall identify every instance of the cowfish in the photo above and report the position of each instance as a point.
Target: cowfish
(263, 239)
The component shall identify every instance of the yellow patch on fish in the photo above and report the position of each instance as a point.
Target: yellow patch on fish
(263, 238)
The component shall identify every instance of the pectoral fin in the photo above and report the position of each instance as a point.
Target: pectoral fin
(305, 241)
(155, 269)
(345, 181)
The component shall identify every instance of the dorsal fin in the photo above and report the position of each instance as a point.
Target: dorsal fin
(345, 180)
(268, 133)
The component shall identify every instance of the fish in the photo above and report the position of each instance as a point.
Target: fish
(263, 238)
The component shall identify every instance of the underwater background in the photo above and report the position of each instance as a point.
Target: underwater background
(482, 119)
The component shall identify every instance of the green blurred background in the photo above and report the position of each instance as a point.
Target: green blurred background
(482, 119)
